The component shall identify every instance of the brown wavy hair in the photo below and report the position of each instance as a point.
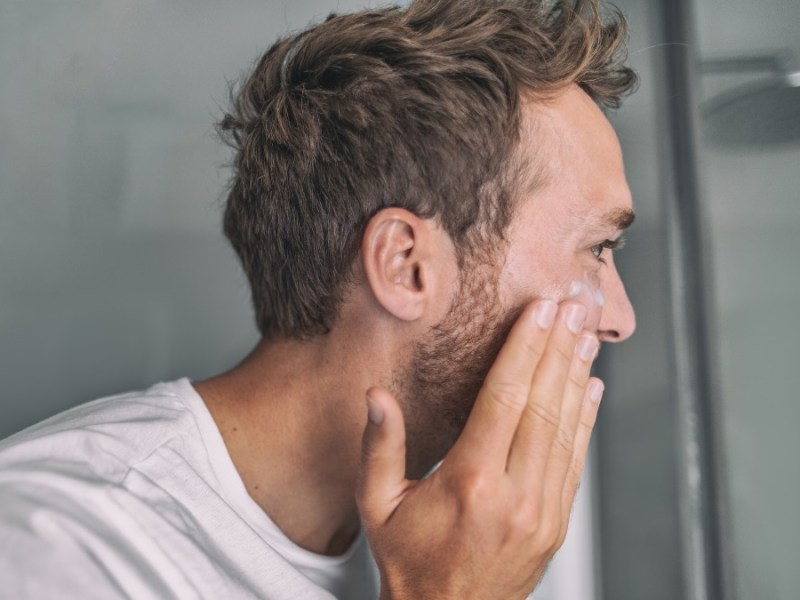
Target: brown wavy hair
(415, 107)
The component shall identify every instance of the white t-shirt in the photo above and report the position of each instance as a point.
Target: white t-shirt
(135, 496)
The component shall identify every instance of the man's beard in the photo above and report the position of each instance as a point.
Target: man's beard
(441, 382)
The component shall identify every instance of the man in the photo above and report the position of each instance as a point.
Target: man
(424, 202)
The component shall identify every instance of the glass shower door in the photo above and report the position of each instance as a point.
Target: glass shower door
(749, 166)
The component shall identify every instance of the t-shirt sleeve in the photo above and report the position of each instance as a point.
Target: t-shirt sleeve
(53, 546)
(40, 557)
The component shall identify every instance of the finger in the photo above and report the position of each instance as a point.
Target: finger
(382, 477)
(560, 462)
(541, 419)
(495, 415)
(586, 423)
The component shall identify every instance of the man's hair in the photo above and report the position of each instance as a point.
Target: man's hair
(416, 108)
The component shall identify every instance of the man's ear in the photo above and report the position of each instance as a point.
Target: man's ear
(400, 256)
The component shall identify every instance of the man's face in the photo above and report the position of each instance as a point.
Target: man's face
(557, 234)
(555, 238)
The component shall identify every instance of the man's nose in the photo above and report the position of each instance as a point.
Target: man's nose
(618, 321)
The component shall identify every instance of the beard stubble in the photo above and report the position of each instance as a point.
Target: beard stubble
(439, 385)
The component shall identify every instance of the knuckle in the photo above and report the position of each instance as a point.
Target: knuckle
(509, 395)
(577, 468)
(523, 525)
(549, 532)
(369, 452)
(532, 348)
(546, 414)
(377, 449)
(526, 517)
(474, 490)
(587, 422)
(578, 380)
(564, 441)
(566, 354)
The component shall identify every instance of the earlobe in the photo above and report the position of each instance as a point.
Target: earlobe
(395, 252)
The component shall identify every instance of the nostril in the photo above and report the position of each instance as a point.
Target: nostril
(610, 335)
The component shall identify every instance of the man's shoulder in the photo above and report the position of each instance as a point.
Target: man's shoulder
(105, 437)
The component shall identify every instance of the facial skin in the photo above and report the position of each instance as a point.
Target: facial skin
(553, 240)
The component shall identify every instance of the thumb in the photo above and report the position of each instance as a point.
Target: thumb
(382, 477)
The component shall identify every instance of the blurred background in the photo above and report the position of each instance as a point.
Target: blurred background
(114, 273)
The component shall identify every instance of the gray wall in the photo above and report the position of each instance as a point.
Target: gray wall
(113, 273)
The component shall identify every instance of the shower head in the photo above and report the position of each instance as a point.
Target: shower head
(763, 113)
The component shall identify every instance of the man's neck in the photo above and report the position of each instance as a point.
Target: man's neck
(292, 416)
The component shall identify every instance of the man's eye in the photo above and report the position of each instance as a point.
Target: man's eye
(597, 249)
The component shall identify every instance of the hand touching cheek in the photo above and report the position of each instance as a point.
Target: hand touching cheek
(486, 524)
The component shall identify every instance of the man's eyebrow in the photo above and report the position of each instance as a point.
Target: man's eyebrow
(621, 218)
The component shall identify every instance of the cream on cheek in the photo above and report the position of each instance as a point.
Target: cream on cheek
(587, 291)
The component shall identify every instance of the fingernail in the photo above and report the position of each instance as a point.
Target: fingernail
(374, 411)
(546, 314)
(575, 288)
(576, 317)
(587, 347)
(596, 389)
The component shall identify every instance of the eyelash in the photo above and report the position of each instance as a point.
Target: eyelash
(597, 249)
